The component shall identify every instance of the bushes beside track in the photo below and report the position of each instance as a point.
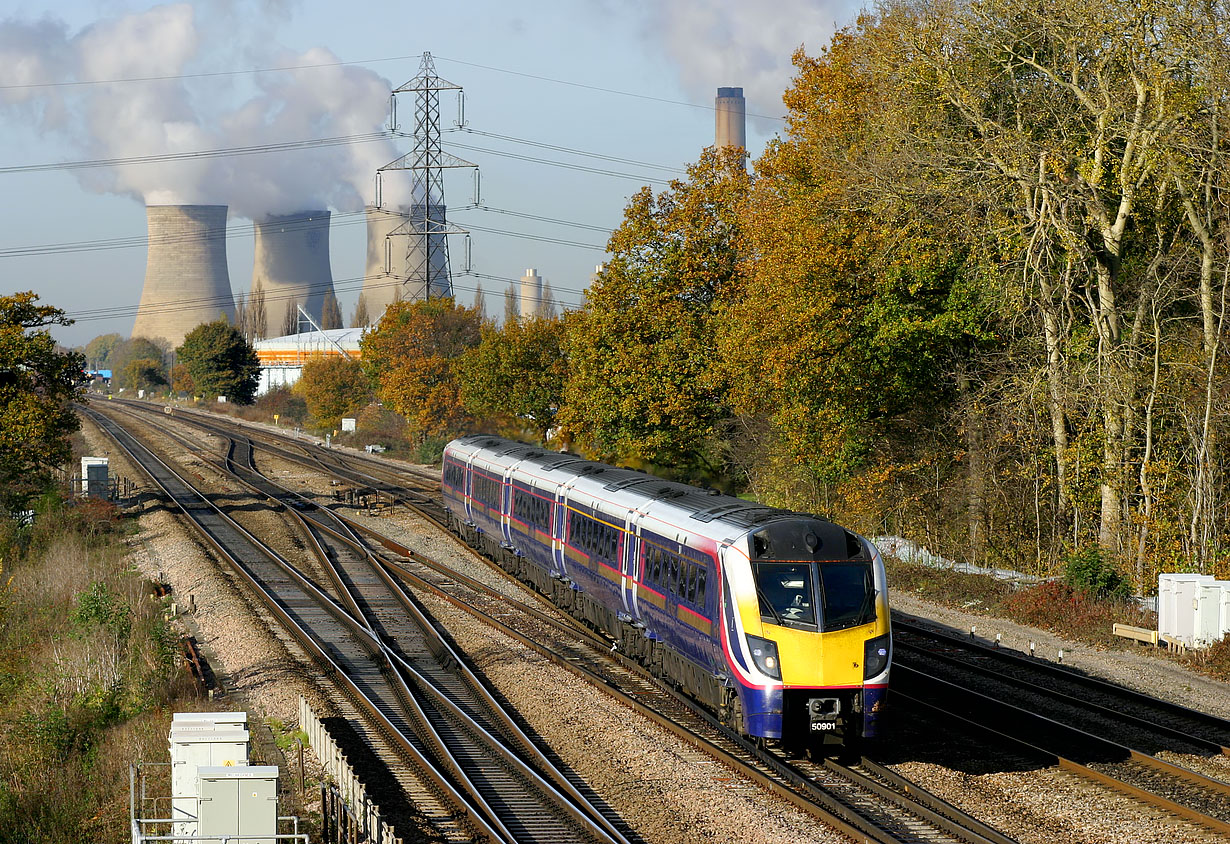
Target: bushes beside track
(1075, 613)
(88, 674)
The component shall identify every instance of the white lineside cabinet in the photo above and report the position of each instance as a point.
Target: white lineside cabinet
(95, 476)
(240, 801)
(194, 746)
(1211, 603)
(238, 720)
(1193, 608)
(1176, 605)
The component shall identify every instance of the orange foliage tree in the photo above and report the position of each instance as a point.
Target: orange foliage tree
(333, 387)
(411, 357)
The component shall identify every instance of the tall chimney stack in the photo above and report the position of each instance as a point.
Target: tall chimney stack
(730, 119)
(531, 294)
(186, 277)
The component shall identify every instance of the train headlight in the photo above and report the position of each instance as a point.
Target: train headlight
(764, 653)
(875, 655)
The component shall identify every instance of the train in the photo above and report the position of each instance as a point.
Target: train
(776, 621)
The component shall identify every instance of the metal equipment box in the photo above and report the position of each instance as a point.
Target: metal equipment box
(95, 476)
(1176, 605)
(239, 801)
(193, 747)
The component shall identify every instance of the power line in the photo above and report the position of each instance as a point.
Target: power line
(571, 84)
(567, 166)
(572, 151)
(573, 223)
(284, 146)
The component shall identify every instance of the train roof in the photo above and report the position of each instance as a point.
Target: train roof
(702, 505)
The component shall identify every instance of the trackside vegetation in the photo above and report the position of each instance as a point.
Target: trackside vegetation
(89, 671)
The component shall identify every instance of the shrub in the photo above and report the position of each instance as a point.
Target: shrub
(1087, 569)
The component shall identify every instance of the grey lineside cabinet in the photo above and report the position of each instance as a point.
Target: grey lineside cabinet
(239, 800)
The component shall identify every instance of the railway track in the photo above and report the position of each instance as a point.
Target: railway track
(426, 710)
(1111, 704)
(1006, 695)
(864, 800)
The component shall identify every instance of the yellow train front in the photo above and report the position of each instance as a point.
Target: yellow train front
(807, 633)
(777, 621)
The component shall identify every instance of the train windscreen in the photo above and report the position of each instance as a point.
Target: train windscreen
(787, 592)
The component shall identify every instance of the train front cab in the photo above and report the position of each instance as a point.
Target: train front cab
(818, 627)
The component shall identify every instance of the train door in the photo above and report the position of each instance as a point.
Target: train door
(630, 561)
(506, 498)
(466, 486)
(559, 530)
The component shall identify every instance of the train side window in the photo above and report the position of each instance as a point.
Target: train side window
(700, 585)
(692, 568)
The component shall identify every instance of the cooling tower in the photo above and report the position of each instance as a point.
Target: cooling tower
(381, 288)
(186, 280)
(291, 264)
(730, 118)
(531, 294)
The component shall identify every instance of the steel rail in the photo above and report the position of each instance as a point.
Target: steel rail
(574, 805)
(961, 703)
(313, 519)
(1069, 675)
(1109, 713)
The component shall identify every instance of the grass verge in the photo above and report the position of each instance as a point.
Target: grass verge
(88, 674)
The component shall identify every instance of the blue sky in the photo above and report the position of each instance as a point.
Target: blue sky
(633, 80)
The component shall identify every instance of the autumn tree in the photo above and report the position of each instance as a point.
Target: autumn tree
(859, 299)
(518, 371)
(38, 384)
(643, 385)
(255, 325)
(330, 313)
(411, 358)
(220, 362)
(290, 318)
(144, 373)
(360, 319)
(333, 386)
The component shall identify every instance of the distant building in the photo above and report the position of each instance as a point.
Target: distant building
(282, 358)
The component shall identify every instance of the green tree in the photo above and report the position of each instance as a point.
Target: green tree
(38, 383)
(220, 362)
(333, 387)
(643, 385)
(127, 351)
(144, 373)
(98, 351)
(517, 370)
(411, 357)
